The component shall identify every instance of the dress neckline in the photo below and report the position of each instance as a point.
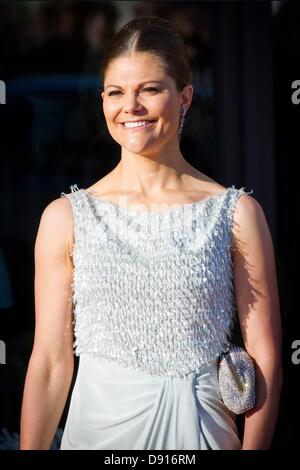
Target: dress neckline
(129, 210)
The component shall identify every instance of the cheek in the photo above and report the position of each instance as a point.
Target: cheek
(110, 111)
(169, 110)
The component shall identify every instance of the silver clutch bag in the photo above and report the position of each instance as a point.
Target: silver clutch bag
(236, 376)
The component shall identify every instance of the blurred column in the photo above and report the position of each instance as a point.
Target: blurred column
(244, 100)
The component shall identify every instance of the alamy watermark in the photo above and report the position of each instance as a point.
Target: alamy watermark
(2, 92)
(296, 354)
(2, 352)
(296, 94)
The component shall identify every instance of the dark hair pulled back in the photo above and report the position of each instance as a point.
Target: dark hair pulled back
(154, 35)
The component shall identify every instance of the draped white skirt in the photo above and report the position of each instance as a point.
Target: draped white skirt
(114, 407)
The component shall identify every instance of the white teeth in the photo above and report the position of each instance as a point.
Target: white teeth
(136, 124)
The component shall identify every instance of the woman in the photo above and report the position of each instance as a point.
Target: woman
(154, 290)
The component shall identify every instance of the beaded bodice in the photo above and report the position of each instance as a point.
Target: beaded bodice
(153, 290)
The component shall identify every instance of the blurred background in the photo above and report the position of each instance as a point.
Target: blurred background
(241, 129)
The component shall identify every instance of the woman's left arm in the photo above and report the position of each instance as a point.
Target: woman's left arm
(258, 305)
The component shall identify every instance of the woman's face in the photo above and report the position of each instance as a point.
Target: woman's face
(138, 90)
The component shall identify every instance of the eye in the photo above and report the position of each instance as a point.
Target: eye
(147, 89)
(150, 88)
(112, 93)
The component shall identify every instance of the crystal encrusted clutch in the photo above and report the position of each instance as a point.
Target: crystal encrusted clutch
(237, 380)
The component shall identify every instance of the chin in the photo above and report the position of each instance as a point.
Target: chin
(138, 148)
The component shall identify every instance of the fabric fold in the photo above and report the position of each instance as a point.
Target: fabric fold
(115, 408)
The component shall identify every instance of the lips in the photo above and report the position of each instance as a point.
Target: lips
(138, 128)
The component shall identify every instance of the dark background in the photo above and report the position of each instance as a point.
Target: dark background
(241, 129)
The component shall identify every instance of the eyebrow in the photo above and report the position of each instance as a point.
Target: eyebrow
(143, 83)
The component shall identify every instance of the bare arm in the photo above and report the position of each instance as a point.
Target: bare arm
(51, 364)
(259, 314)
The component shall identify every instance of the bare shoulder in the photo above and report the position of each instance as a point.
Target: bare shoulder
(57, 215)
(247, 206)
(56, 225)
(250, 222)
(58, 209)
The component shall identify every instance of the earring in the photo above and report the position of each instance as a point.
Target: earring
(182, 118)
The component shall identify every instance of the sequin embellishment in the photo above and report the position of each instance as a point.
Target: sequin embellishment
(153, 291)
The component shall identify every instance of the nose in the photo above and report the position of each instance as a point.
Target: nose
(131, 103)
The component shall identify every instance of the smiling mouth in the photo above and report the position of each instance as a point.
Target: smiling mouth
(138, 126)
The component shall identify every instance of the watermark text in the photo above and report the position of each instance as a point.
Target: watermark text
(2, 352)
(2, 92)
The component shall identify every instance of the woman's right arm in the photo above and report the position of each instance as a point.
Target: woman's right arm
(51, 364)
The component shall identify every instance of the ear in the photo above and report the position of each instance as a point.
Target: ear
(102, 94)
(187, 96)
